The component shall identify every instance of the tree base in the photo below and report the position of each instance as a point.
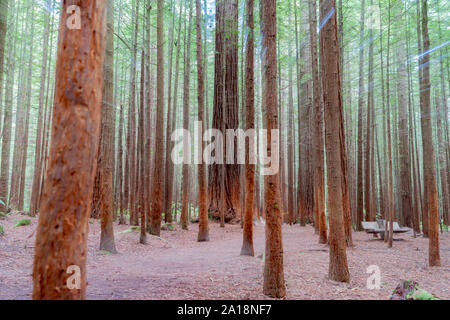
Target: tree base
(247, 249)
(203, 236)
(155, 230)
(108, 246)
(143, 239)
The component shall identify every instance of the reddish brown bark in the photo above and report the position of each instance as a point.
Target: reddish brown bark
(331, 82)
(318, 158)
(130, 170)
(215, 170)
(429, 167)
(158, 170)
(404, 155)
(231, 108)
(203, 231)
(359, 190)
(290, 142)
(168, 161)
(186, 96)
(273, 269)
(141, 178)
(442, 162)
(105, 162)
(247, 241)
(300, 193)
(61, 238)
(119, 169)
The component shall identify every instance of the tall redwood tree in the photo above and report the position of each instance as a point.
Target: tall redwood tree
(332, 96)
(61, 238)
(274, 285)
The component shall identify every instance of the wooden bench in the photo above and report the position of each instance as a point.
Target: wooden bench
(396, 227)
(379, 227)
(372, 227)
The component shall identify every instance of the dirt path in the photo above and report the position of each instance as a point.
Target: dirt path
(178, 267)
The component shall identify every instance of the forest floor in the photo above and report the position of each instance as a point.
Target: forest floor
(176, 266)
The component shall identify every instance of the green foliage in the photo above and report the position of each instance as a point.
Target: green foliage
(421, 294)
(2, 231)
(23, 222)
(131, 229)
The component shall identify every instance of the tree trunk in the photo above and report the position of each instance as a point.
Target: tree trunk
(360, 193)
(73, 158)
(404, 156)
(7, 119)
(273, 269)
(3, 28)
(215, 170)
(203, 231)
(331, 82)
(429, 166)
(247, 241)
(142, 177)
(300, 192)
(168, 185)
(186, 96)
(158, 173)
(442, 162)
(34, 203)
(231, 108)
(104, 165)
(318, 159)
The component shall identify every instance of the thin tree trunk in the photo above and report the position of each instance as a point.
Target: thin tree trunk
(203, 230)
(360, 194)
(34, 203)
(104, 166)
(3, 29)
(168, 185)
(300, 192)
(158, 173)
(318, 157)
(429, 166)
(404, 156)
(7, 117)
(247, 241)
(441, 159)
(141, 178)
(186, 96)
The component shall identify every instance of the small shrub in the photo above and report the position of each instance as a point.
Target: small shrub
(2, 231)
(423, 295)
(23, 222)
